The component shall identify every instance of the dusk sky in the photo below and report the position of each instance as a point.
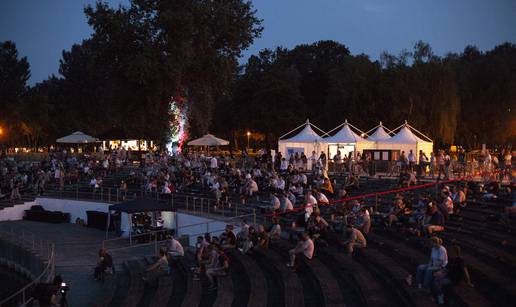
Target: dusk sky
(42, 29)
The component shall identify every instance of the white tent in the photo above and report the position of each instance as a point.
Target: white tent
(346, 141)
(405, 140)
(208, 140)
(307, 140)
(77, 138)
(379, 134)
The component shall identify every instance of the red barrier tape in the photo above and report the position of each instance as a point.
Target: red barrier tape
(425, 185)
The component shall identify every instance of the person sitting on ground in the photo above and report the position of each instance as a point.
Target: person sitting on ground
(352, 182)
(174, 247)
(354, 239)
(364, 221)
(321, 198)
(395, 213)
(434, 220)
(316, 225)
(105, 262)
(456, 271)
(310, 204)
(305, 247)
(438, 261)
(445, 206)
(220, 269)
(158, 269)
(459, 199)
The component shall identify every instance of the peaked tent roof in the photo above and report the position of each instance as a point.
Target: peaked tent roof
(405, 136)
(307, 135)
(208, 140)
(379, 134)
(345, 135)
(77, 137)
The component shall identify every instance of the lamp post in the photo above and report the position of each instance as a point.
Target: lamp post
(248, 135)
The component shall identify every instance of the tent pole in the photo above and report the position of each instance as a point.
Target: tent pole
(304, 124)
(108, 220)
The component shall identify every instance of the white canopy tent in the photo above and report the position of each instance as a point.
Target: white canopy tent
(306, 141)
(379, 134)
(346, 140)
(77, 137)
(208, 140)
(405, 140)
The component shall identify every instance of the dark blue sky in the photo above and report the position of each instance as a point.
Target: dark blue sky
(43, 28)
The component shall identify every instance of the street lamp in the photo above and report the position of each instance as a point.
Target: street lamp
(248, 135)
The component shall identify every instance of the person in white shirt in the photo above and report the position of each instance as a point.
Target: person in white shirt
(313, 160)
(412, 160)
(275, 202)
(438, 261)
(310, 203)
(174, 248)
(286, 203)
(304, 247)
(213, 163)
(280, 184)
(321, 198)
(283, 165)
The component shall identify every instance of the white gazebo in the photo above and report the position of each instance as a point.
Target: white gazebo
(380, 133)
(405, 140)
(346, 140)
(306, 141)
(208, 140)
(77, 138)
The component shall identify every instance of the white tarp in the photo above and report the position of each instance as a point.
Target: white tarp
(307, 140)
(379, 134)
(405, 140)
(208, 140)
(77, 138)
(346, 140)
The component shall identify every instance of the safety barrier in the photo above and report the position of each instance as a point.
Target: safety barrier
(34, 257)
(392, 191)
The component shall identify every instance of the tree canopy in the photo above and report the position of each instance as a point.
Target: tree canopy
(121, 82)
(466, 98)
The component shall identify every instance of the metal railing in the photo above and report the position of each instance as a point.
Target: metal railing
(157, 237)
(46, 256)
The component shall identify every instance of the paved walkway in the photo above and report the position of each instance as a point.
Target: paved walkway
(76, 249)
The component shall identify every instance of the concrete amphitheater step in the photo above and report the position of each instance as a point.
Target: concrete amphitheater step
(287, 283)
(254, 277)
(410, 254)
(319, 276)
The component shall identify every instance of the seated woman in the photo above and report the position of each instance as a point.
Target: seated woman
(105, 262)
(316, 225)
(434, 220)
(438, 261)
(221, 267)
(158, 269)
(395, 213)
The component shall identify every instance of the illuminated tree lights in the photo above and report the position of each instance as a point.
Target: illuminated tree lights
(178, 110)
